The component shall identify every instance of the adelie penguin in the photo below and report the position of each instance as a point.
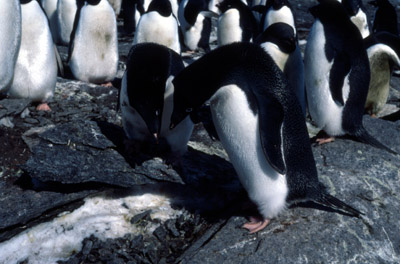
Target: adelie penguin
(159, 25)
(10, 41)
(383, 50)
(275, 11)
(146, 98)
(35, 72)
(50, 8)
(66, 11)
(260, 124)
(356, 10)
(195, 24)
(236, 23)
(337, 74)
(385, 17)
(93, 51)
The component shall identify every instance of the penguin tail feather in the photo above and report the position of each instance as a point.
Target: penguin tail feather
(363, 136)
(334, 203)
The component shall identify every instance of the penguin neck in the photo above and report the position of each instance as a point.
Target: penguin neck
(277, 55)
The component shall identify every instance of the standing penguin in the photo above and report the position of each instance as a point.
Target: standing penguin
(10, 41)
(195, 25)
(356, 10)
(236, 23)
(93, 52)
(385, 17)
(36, 68)
(159, 25)
(146, 97)
(280, 41)
(66, 11)
(383, 50)
(116, 5)
(260, 125)
(50, 7)
(276, 11)
(337, 74)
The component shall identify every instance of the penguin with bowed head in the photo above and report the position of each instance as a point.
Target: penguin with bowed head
(383, 50)
(195, 24)
(356, 10)
(146, 98)
(236, 22)
(66, 11)
(93, 51)
(159, 25)
(35, 74)
(260, 125)
(10, 41)
(337, 74)
(385, 17)
(280, 41)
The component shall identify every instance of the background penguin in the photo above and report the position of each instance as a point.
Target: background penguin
(93, 52)
(279, 40)
(10, 41)
(337, 74)
(159, 25)
(116, 5)
(50, 8)
(36, 68)
(276, 11)
(236, 23)
(66, 10)
(196, 27)
(272, 158)
(146, 97)
(385, 17)
(356, 10)
(383, 51)
(128, 15)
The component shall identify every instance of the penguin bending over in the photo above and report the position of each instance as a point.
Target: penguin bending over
(93, 51)
(385, 17)
(383, 50)
(66, 11)
(10, 41)
(280, 42)
(236, 23)
(337, 74)
(260, 124)
(159, 25)
(195, 25)
(146, 97)
(35, 73)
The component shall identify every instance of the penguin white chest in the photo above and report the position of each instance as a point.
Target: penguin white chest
(323, 109)
(238, 129)
(284, 14)
(360, 20)
(229, 29)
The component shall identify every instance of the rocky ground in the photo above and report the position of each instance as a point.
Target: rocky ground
(55, 167)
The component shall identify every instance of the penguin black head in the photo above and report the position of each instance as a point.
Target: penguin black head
(330, 11)
(280, 34)
(93, 2)
(228, 4)
(25, 1)
(277, 4)
(163, 7)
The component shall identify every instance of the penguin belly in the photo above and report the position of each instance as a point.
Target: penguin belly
(95, 54)
(155, 28)
(36, 68)
(10, 41)
(193, 34)
(238, 129)
(379, 86)
(66, 10)
(50, 7)
(229, 29)
(321, 106)
(284, 14)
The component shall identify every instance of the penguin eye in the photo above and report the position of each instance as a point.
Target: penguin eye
(188, 110)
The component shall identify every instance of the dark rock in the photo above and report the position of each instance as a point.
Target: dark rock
(13, 107)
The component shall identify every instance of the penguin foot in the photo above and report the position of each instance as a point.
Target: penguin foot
(323, 138)
(43, 107)
(256, 224)
(107, 84)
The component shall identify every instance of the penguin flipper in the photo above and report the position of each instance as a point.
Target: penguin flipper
(362, 135)
(334, 203)
(340, 68)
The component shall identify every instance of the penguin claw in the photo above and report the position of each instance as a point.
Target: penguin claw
(256, 224)
(321, 141)
(43, 107)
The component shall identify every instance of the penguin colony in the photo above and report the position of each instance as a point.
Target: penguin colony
(256, 83)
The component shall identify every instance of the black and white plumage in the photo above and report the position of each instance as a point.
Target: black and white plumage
(195, 25)
(236, 23)
(159, 25)
(357, 12)
(260, 124)
(146, 97)
(275, 11)
(337, 73)
(66, 11)
(385, 17)
(35, 73)
(10, 41)
(383, 50)
(93, 51)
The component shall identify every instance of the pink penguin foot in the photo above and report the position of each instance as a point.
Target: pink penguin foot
(43, 107)
(325, 140)
(107, 84)
(256, 224)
